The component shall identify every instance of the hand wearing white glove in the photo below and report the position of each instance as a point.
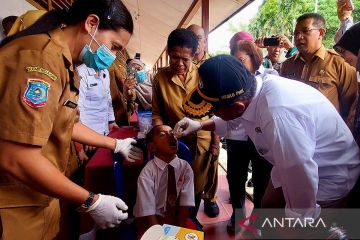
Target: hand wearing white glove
(129, 151)
(107, 211)
(186, 126)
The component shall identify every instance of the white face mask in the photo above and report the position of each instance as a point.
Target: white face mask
(358, 76)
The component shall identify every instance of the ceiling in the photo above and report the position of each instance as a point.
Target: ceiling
(155, 19)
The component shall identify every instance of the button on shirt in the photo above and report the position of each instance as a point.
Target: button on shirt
(299, 131)
(95, 102)
(152, 192)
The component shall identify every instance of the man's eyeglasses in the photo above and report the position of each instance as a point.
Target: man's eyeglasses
(304, 32)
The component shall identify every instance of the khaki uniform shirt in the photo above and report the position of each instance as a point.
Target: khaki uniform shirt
(169, 93)
(328, 73)
(36, 85)
(117, 77)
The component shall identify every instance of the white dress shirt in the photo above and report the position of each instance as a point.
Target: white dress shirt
(152, 187)
(297, 129)
(95, 103)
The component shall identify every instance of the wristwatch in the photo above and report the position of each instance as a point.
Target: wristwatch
(86, 204)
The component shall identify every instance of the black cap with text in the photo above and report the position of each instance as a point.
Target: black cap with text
(223, 78)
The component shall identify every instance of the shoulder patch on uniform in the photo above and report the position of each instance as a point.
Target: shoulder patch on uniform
(36, 93)
(42, 71)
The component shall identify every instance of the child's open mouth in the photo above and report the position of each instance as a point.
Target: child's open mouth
(173, 143)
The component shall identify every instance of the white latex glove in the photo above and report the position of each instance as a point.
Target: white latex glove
(186, 126)
(107, 211)
(129, 151)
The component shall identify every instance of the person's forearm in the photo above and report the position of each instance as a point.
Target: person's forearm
(215, 139)
(28, 165)
(208, 125)
(184, 214)
(151, 220)
(87, 136)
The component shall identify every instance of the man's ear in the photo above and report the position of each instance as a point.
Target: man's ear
(151, 147)
(239, 107)
(90, 23)
(322, 32)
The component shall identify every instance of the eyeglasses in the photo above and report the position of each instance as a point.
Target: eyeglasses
(304, 32)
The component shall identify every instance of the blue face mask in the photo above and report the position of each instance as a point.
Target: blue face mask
(141, 76)
(99, 60)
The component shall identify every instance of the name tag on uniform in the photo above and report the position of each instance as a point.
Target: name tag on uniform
(93, 84)
(70, 104)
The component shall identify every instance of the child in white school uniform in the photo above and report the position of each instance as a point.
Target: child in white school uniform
(165, 187)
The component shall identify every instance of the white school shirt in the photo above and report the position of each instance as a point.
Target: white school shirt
(95, 103)
(152, 186)
(298, 130)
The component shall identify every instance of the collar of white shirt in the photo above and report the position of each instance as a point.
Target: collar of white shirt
(162, 165)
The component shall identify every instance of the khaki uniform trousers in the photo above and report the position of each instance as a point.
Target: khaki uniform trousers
(30, 223)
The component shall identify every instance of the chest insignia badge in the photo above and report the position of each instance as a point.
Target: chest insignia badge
(258, 130)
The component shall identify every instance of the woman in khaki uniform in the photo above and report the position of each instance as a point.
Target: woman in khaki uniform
(170, 87)
(38, 96)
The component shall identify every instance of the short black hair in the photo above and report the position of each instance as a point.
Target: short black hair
(150, 135)
(8, 20)
(182, 37)
(319, 21)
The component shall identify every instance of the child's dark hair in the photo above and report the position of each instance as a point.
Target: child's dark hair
(150, 135)
(113, 14)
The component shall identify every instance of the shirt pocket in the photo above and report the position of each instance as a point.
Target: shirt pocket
(322, 83)
(93, 93)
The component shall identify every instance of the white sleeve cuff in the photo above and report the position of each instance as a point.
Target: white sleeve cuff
(220, 126)
(303, 213)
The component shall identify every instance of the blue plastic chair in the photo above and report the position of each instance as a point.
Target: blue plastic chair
(184, 152)
(119, 181)
(126, 230)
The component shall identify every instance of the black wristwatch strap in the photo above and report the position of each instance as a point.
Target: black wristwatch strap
(86, 204)
(89, 200)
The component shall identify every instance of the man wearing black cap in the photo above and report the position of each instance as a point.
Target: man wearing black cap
(315, 158)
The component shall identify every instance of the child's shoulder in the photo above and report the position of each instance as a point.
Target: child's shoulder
(184, 164)
(149, 168)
